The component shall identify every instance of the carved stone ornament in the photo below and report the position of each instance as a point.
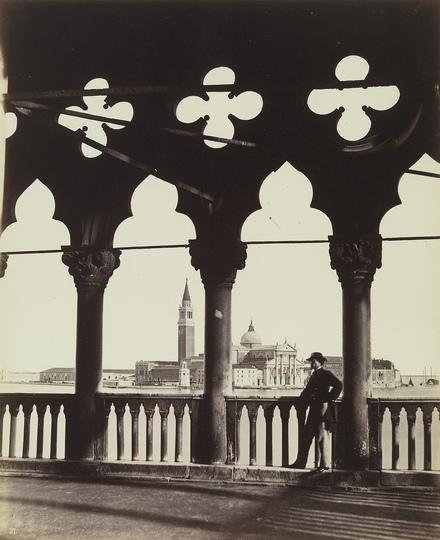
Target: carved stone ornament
(91, 266)
(3, 263)
(356, 261)
(217, 259)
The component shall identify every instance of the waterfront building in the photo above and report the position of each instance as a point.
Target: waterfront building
(335, 365)
(246, 376)
(58, 375)
(110, 377)
(384, 374)
(268, 365)
(18, 376)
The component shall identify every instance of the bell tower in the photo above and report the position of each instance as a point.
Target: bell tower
(186, 346)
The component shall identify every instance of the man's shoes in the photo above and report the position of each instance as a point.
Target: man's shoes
(320, 469)
(296, 465)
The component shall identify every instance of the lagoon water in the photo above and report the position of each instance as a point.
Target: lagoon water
(411, 392)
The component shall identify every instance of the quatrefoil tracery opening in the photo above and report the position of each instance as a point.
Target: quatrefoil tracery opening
(220, 107)
(354, 123)
(98, 106)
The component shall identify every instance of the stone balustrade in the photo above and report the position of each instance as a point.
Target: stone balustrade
(260, 431)
(129, 409)
(44, 410)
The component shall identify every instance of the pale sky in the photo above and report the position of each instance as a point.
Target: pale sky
(289, 291)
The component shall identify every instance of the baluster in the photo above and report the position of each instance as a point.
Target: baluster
(374, 429)
(411, 419)
(427, 422)
(105, 419)
(196, 439)
(102, 412)
(395, 451)
(13, 409)
(231, 431)
(41, 411)
(120, 411)
(338, 438)
(284, 413)
(149, 413)
(134, 411)
(379, 439)
(69, 415)
(2, 414)
(164, 410)
(179, 409)
(238, 414)
(301, 416)
(253, 413)
(55, 411)
(268, 415)
(27, 411)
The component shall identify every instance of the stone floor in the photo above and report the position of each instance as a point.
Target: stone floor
(41, 508)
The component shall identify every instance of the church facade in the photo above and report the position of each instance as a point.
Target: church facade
(267, 365)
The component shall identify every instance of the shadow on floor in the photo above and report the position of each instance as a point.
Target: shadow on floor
(36, 508)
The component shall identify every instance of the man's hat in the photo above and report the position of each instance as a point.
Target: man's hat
(317, 356)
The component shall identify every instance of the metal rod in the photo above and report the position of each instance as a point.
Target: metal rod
(424, 173)
(51, 94)
(256, 242)
(210, 137)
(67, 112)
(79, 136)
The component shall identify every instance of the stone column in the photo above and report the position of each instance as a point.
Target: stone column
(356, 262)
(218, 259)
(91, 268)
(3, 263)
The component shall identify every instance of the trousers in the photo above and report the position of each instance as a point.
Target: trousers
(314, 428)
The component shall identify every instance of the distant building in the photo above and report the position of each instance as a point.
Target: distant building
(267, 365)
(189, 368)
(246, 376)
(18, 376)
(384, 374)
(335, 365)
(165, 374)
(118, 378)
(253, 364)
(184, 376)
(154, 373)
(58, 375)
(110, 377)
(186, 327)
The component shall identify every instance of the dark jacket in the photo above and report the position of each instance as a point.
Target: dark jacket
(319, 386)
(318, 390)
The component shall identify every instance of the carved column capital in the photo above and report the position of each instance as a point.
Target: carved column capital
(91, 266)
(218, 259)
(356, 260)
(3, 263)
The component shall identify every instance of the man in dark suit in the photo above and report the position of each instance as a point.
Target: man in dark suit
(323, 387)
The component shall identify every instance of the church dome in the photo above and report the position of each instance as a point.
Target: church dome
(250, 338)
